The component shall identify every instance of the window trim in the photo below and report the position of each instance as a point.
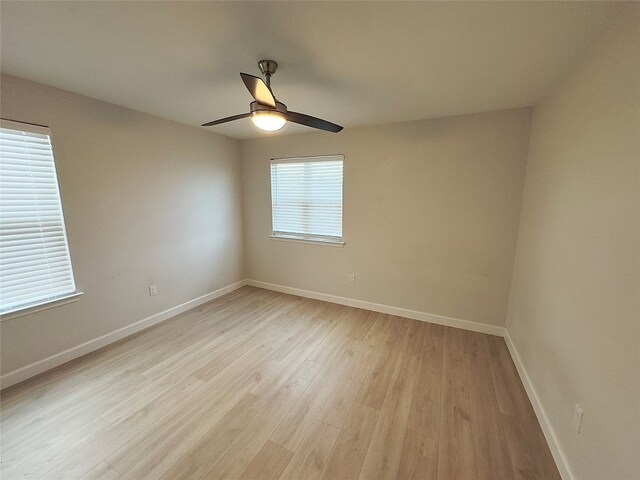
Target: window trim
(315, 240)
(40, 306)
(64, 298)
(325, 240)
(27, 127)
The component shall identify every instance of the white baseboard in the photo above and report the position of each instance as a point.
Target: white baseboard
(377, 307)
(549, 433)
(57, 359)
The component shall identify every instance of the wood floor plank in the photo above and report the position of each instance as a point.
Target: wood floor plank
(414, 340)
(378, 330)
(300, 371)
(375, 386)
(311, 457)
(137, 401)
(512, 398)
(344, 392)
(385, 450)
(102, 471)
(201, 456)
(260, 384)
(335, 341)
(397, 332)
(419, 458)
(530, 455)
(491, 452)
(426, 406)
(38, 463)
(255, 434)
(268, 464)
(291, 431)
(102, 443)
(306, 338)
(297, 421)
(64, 415)
(455, 440)
(350, 449)
(187, 427)
(250, 336)
(151, 455)
(361, 321)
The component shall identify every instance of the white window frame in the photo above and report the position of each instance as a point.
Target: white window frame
(67, 297)
(325, 240)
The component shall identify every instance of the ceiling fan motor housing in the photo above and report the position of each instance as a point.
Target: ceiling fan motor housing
(256, 107)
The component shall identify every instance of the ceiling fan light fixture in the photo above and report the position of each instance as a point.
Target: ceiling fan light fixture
(269, 121)
(266, 112)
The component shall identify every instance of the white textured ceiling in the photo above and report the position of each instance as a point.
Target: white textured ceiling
(353, 63)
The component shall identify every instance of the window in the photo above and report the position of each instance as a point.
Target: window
(35, 266)
(306, 198)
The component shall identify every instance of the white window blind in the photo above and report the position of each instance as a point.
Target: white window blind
(306, 197)
(35, 266)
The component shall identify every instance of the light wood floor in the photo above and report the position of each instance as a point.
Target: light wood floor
(262, 385)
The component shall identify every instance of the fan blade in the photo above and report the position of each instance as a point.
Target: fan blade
(314, 122)
(259, 90)
(225, 120)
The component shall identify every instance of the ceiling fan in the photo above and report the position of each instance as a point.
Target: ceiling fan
(266, 112)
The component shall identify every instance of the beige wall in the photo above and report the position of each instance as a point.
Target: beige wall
(574, 314)
(146, 201)
(431, 212)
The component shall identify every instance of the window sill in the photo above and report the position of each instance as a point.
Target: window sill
(314, 241)
(45, 305)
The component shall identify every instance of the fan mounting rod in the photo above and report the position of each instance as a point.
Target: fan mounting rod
(268, 68)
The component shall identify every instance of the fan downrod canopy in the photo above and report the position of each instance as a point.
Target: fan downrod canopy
(268, 67)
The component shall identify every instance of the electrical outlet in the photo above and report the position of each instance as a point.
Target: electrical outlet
(352, 278)
(577, 418)
(153, 290)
